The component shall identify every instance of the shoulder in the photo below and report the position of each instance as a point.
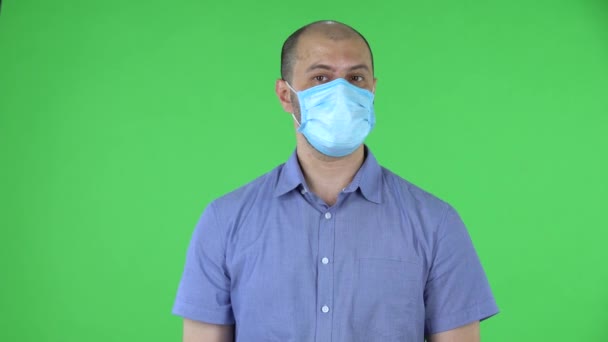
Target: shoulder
(411, 194)
(244, 197)
(226, 212)
(415, 202)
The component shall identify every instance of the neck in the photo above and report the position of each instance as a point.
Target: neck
(327, 176)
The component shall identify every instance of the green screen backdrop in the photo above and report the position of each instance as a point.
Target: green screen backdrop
(121, 120)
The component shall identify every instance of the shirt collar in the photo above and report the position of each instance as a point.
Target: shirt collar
(368, 178)
(290, 176)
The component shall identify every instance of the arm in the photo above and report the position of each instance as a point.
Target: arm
(466, 333)
(195, 331)
(457, 293)
(203, 294)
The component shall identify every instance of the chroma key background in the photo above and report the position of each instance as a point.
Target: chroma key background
(121, 120)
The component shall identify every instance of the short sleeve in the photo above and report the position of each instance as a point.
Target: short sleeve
(457, 291)
(204, 290)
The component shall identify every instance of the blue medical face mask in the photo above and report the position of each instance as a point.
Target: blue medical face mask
(336, 116)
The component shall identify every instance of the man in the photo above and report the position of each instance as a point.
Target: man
(330, 246)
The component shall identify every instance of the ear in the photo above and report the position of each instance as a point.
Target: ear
(284, 95)
(374, 86)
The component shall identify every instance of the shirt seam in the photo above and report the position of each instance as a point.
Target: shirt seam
(185, 309)
(473, 312)
(438, 231)
(225, 237)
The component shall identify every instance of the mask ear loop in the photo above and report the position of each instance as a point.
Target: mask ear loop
(296, 120)
(292, 114)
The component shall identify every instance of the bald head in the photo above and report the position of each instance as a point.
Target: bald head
(329, 29)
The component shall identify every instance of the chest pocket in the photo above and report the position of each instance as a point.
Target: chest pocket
(388, 300)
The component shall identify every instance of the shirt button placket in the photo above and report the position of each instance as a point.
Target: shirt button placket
(325, 281)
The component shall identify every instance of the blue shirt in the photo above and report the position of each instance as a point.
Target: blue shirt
(387, 262)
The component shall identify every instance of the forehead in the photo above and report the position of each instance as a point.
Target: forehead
(316, 47)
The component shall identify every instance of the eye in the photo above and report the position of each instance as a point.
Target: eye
(357, 78)
(321, 78)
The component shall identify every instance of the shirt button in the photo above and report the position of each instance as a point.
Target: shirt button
(325, 309)
(328, 215)
(303, 191)
(325, 261)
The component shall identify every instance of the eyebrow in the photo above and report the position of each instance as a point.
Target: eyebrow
(359, 66)
(327, 67)
(319, 66)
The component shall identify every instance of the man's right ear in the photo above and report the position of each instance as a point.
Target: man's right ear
(284, 94)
